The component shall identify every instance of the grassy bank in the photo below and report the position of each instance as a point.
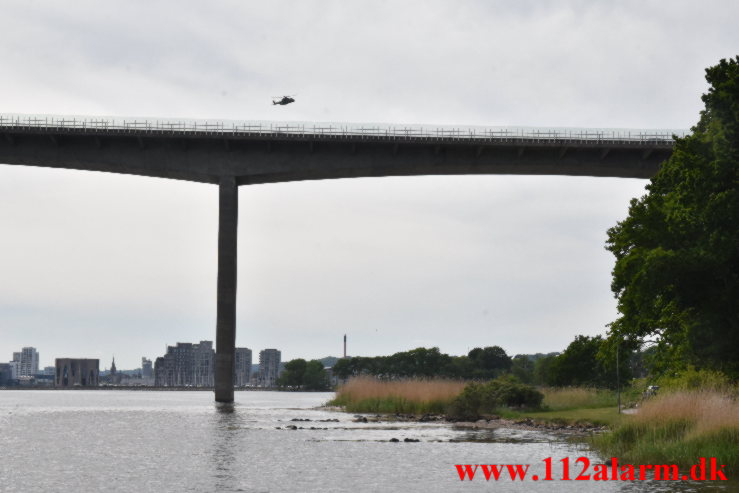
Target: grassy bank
(678, 428)
(674, 428)
(560, 399)
(595, 416)
(573, 405)
(368, 395)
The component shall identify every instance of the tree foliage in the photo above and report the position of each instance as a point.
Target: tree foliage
(485, 398)
(305, 375)
(315, 376)
(676, 275)
(522, 367)
(481, 363)
(581, 365)
(490, 361)
(292, 375)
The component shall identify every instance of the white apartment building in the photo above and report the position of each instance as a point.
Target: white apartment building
(25, 362)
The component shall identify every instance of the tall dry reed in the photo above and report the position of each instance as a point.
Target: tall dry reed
(705, 411)
(360, 388)
(367, 394)
(560, 398)
(680, 428)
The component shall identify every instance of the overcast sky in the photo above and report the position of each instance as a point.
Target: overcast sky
(96, 265)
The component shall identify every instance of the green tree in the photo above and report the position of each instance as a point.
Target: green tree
(490, 361)
(523, 368)
(676, 275)
(293, 374)
(344, 368)
(543, 369)
(459, 367)
(419, 362)
(579, 364)
(307, 375)
(315, 376)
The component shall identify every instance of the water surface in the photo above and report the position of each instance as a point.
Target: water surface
(141, 441)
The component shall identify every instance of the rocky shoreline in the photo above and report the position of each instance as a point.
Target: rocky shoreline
(487, 422)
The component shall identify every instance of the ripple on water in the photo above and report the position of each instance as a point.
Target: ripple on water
(122, 441)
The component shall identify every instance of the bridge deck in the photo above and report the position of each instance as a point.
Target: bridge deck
(266, 152)
(330, 131)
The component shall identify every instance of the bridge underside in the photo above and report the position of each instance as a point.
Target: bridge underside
(233, 160)
(271, 159)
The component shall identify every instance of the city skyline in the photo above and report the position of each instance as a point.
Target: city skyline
(29, 362)
(93, 262)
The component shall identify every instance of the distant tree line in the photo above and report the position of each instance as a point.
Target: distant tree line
(480, 363)
(581, 363)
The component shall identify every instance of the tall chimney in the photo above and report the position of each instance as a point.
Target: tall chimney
(345, 345)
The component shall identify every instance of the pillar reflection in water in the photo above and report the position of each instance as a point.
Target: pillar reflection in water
(227, 425)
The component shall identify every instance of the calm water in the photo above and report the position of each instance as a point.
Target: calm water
(129, 441)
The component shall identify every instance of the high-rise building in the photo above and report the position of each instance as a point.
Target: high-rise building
(269, 367)
(6, 375)
(147, 370)
(14, 369)
(204, 360)
(26, 362)
(242, 367)
(185, 365)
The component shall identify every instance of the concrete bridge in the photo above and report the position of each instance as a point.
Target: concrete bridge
(231, 154)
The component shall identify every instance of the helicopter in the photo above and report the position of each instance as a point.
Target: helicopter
(284, 100)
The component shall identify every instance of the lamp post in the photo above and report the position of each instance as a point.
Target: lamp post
(618, 377)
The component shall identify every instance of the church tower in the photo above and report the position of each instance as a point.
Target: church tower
(114, 377)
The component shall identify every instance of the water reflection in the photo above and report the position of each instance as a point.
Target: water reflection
(226, 422)
(502, 435)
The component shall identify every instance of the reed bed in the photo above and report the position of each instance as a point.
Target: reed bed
(680, 428)
(412, 396)
(563, 398)
(706, 411)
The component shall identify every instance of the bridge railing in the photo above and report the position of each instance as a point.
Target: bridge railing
(331, 130)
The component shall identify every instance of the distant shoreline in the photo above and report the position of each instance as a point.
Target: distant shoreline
(143, 388)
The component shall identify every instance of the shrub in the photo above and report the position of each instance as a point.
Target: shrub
(485, 398)
(692, 379)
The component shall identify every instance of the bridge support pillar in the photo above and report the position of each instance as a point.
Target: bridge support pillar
(228, 216)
